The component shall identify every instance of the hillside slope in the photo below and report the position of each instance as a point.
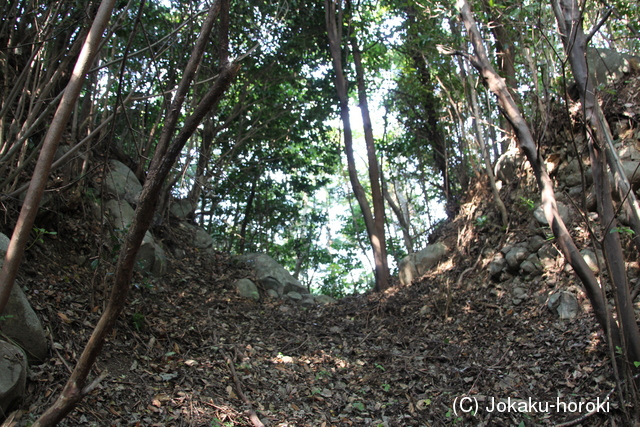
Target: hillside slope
(189, 352)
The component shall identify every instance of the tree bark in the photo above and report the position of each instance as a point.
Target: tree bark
(334, 33)
(568, 16)
(379, 241)
(75, 388)
(527, 144)
(34, 194)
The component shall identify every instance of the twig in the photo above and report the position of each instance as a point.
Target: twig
(253, 416)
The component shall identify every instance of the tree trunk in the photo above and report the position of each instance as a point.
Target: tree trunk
(334, 33)
(54, 134)
(567, 246)
(379, 241)
(76, 388)
(569, 18)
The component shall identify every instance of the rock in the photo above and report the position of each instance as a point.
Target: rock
(429, 257)
(528, 267)
(632, 171)
(608, 66)
(565, 214)
(308, 300)
(515, 256)
(4, 245)
(122, 183)
(13, 375)
(151, 257)
(273, 293)
(407, 270)
(294, 295)
(565, 304)
(23, 326)
(272, 275)
(591, 260)
(201, 239)
(535, 243)
(497, 265)
(247, 289)
(324, 299)
(120, 213)
(508, 164)
(519, 294)
(181, 208)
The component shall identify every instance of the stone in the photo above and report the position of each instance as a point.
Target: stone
(563, 210)
(535, 243)
(519, 294)
(497, 265)
(201, 239)
(151, 257)
(565, 304)
(324, 299)
(591, 260)
(508, 164)
(407, 270)
(272, 275)
(294, 295)
(515, 256)
(429, 257)
(247, 289)
(4, 245)
(181, 208)
(547, 256)
(120, 213)
(122, 183)
(608, 65)
(273, 293)
(632, 172)
(22, 326)
(13, 375)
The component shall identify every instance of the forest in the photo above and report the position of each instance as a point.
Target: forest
(451, 187)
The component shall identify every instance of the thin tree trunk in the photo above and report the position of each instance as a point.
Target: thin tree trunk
(378, 241)
(54, 134)
(76, 388)
(334, 33)
(568, 15)
(485, 153)
(567, 246)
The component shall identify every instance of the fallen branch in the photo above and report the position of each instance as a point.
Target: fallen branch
(253, 416)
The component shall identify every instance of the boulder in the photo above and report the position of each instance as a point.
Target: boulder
(120, 213)
(407, 270)
(247, 289)
(181, 208)
(508, 164)
(608, 66)
(201, 239)
(324, 299)
(565, 304)
(591, 260)
(151, 257)
(535, 243)
(4, 245)
(13, 375)
(429, 257)
(122, 183)
(563, 210)
(23, 326)
(272, 275)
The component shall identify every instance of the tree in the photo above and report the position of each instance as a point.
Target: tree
(374, 223)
